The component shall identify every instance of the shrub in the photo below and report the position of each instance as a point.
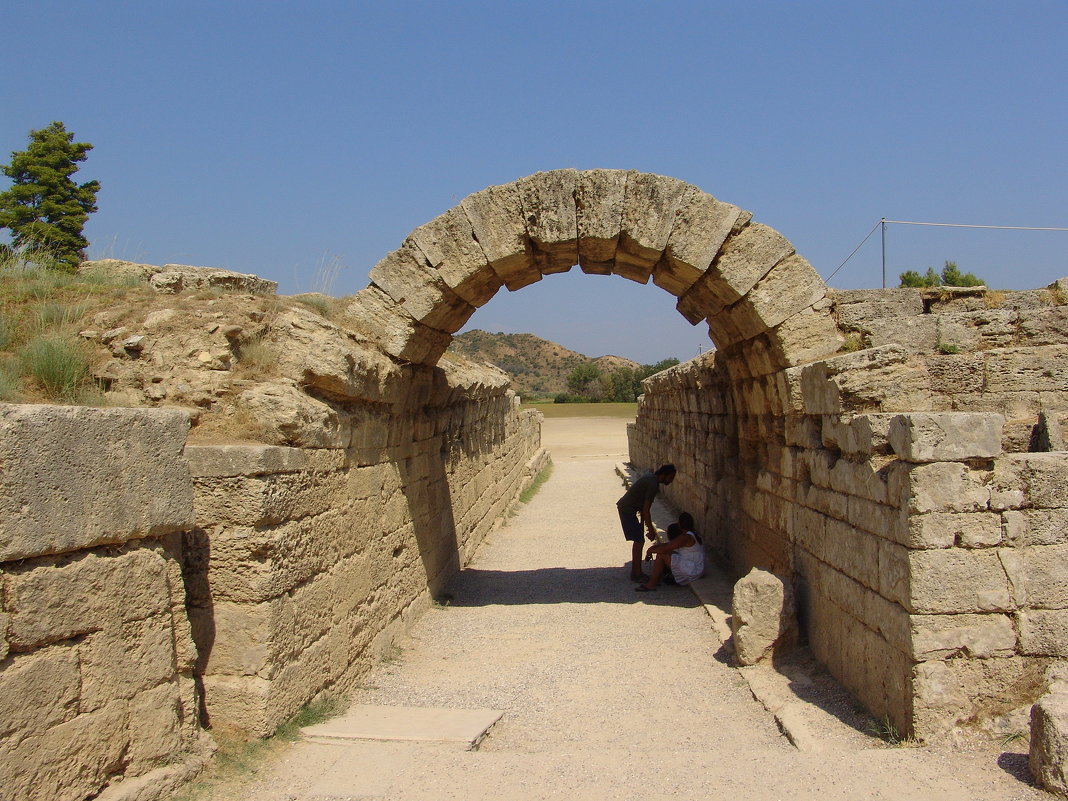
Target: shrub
(58, 364)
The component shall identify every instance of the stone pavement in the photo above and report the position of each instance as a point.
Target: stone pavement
(607, 693)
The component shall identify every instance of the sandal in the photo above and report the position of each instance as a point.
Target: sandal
(643, 588)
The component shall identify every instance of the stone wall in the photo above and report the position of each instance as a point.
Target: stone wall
(96, 658)
(896, 486)
(301, 558)
(149, 587)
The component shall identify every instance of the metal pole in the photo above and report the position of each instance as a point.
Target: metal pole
(882, 222)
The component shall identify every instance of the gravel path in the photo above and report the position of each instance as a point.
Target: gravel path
(606, 693)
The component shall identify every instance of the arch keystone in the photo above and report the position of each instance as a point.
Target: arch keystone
(599, 197)
(548, 200)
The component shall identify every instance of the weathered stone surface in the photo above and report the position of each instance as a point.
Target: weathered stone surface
(285, 415)
(788, 288)
(50, 604)
(38, 691)
(965, 635)
(947, 529)
(805, 337)
(416, 287)
(173, 278)
(649, 209)
(1038, 575)
(954, 580)
(1048, 755)
(599, 196)
(1035, 526)
(877, 379)
(75, 477)
(1011, 369)
(1038, 480)
(212, 461)
(1043, 632)
(120, 663)
(496, 215)
(548, 200)
(918, 334)
(744, 259)
(702, 224)
(857, 308)
(946, 436)
(937, 487)
(448, 244)
(763, 619)
(377, 315)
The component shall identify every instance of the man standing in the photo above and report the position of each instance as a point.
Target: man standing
(635, 511)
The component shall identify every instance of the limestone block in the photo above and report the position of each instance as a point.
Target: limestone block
(1035, 527)
(496, 215)
(121, 663)
(649, 209)
(1044, 326)
(599, 197)
(937, 487)
(858, 435)
(215, 461)
(215, 278)
(75, 477)
(548, 200)
(702, 224)
(956, 374)
(857, 308)
(376, 314)
(448, 244)
(853, 379)
(804, 337)
(1038, 575)
(946, 529)
(38, 691)
(744, 259)
(1044, 369)
(416, 287)
(953, 580)
(49, 604)
(1043, 632)
(155, 730)
(700, 302)
(788, 288)
(288, 416)
(946, 436)
(918, 334)
(1038, 480)
(967, 635)
(763, 619)
(240, 702)
(1048, 755)
(331, 360)
(852, 551)
(242, 634)
(71, 761)
(894, 572)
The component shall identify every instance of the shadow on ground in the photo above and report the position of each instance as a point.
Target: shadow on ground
(556, 585)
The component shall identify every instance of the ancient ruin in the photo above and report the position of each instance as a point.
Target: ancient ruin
(897, 455)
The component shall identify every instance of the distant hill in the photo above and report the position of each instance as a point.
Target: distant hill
(537, 366)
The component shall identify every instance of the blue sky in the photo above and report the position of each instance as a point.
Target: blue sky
(287, 139)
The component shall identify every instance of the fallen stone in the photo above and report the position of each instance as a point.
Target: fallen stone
(763, 619)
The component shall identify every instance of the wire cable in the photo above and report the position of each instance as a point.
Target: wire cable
(964, 225)
(854, 253)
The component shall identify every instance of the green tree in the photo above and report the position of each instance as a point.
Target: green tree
(952, 276)
(582, 378)
(45, 209)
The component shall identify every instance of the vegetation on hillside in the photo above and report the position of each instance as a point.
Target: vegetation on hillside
(44, 209)
(950, 276)
(589, 384)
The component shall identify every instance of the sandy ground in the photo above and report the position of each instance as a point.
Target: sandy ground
(606, 693)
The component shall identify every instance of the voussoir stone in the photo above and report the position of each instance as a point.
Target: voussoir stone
(496, 216)
(415, 286)
(448, 244)
(548, 200)
(702, 224)
(648, 217)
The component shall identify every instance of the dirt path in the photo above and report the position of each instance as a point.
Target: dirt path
(606, 693)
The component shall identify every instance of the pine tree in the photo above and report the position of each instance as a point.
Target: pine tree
(44, 209)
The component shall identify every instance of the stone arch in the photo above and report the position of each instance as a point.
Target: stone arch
(759, 298)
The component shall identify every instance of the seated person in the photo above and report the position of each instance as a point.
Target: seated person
(682, 557)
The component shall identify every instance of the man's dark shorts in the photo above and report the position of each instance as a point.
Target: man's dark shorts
(632, 525)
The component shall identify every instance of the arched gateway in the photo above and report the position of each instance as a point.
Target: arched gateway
(743, 278)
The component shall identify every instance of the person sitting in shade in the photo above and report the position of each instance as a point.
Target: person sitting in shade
(635, 510)
(680, 560)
